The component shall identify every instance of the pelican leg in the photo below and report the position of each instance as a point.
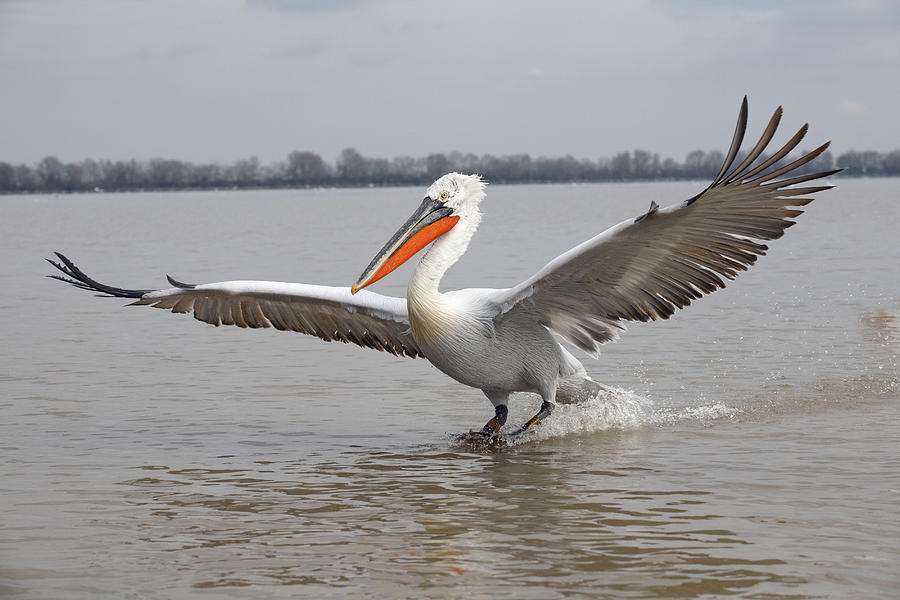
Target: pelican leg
(544, 412)
(499, 399)
(492, 427)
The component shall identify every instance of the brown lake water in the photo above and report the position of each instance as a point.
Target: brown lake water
(750, 449)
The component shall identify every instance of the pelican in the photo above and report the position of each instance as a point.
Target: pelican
(509, 340)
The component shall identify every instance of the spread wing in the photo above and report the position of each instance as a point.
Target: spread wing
(330, 313)
(645, 268)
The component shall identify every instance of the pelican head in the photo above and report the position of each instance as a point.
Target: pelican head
(449, 199)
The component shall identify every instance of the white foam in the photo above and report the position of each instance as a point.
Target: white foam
(611, 409)
(703, 414)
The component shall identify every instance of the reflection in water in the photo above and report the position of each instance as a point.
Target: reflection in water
(879, 326)
(437, 520)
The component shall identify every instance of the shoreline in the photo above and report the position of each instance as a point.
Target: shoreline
(375, 185)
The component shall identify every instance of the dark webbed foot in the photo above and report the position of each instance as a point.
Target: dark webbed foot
(489, 436)
(543, 413)
(492, 427)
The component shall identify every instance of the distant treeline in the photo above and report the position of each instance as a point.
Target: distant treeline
(307, 169)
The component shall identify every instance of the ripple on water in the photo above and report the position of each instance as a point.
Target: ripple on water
(432, 519)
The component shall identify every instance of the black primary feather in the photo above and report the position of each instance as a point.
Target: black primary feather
(76, 277)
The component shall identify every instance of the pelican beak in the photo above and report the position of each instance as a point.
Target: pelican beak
(430, 221)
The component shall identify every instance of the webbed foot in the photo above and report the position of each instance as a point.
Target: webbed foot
(545, 411)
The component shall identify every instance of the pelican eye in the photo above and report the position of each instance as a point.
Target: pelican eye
(445, 194)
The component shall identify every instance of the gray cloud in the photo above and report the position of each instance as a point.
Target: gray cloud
(214, 80)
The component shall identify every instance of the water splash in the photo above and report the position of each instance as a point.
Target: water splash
(617, 409)
(703, 414)
(610, 409)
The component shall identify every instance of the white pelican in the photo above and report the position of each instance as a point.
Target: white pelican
(505, 340)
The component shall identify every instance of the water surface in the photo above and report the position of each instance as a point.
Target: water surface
(750, 448)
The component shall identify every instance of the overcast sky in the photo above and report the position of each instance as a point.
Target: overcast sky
(225, 79)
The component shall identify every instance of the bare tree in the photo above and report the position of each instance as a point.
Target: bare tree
(352, 166)
(51, 173)
(307, 168)
(7, 177)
